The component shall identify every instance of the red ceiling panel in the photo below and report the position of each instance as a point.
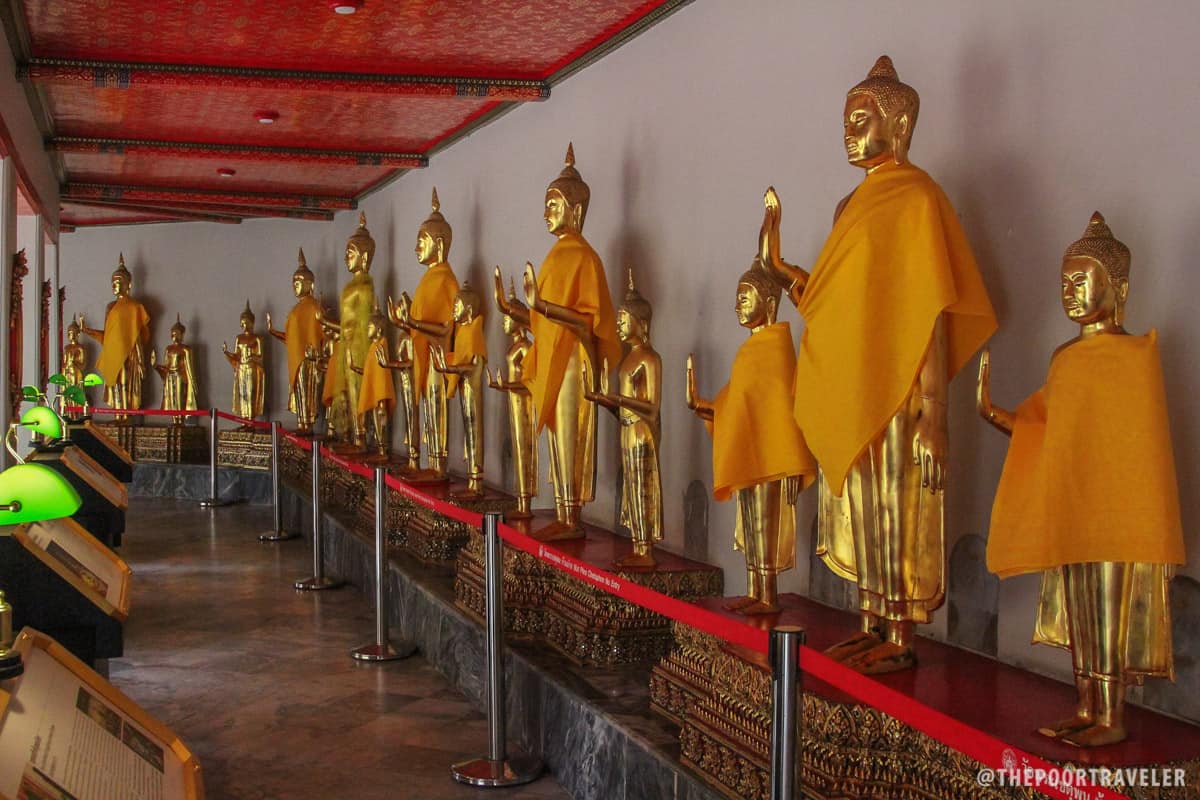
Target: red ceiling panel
(326, 119)
(200, 172)
(73, 214)
(498, 38)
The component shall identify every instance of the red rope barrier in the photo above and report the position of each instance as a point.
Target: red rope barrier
(253, 423)
(135, 412)
(353, 466)
(304, 443)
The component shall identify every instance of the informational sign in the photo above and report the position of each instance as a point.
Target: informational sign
(66, 547)
(68, 734)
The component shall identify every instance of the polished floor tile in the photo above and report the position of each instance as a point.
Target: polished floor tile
(257, 680)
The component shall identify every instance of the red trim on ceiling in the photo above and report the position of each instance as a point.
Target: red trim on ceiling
(166, 194)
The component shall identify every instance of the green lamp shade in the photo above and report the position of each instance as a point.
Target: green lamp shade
(58, 379)
(92, 379)
(41, 419)
(29, 393)
(75, 395)
(42, 493)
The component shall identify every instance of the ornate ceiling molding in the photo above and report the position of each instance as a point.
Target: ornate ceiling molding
(193, 216)
(248, 152)
(157, 195)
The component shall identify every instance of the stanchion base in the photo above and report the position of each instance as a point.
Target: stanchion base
(277, 536)
(318, 584)
(215, 502)
(384, 652)
(513, 771)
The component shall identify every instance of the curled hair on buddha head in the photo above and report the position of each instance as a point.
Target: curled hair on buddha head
(636, 305)
(436, 225)
(889, 93)
(247, 314)
(302, 270)
(470, 298)
(1099, 243)
(122, 272)
(178, 326)
(377, 317)
(768, 288)
(362, 240)
(570, 185)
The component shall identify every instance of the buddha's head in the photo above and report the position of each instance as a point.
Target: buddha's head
(177, 331)
(634, 315)
(880, 116)
(360, 247)
(507, 321)
(466, 304)
(567, 199)
(376, 323)
(247, 319)
(758, 297)
(1095, 276)
(434, 236)
(122, 281)
(302, 278)
(73, 331)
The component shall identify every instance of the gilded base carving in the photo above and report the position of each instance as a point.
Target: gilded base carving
(527, 583)
(124, 434)
(247, 449)
(161, 444)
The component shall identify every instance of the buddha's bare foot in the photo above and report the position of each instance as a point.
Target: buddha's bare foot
(636, 559)
(760, 607)
(519, 513)
(423, 476)
(558, 532)
(466, 493)
(1067, 726)
(853, 646)
(1096, 736)
(883, 658)
(738, 603)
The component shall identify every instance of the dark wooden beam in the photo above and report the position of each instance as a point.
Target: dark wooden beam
(123, 75)
(220, 209)
(244, 152)
(183, 215)
(164, 195)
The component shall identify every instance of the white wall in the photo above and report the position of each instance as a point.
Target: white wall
(1033, 115)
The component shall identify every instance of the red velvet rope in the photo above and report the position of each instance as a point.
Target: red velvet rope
(135, 412)
(253, 423)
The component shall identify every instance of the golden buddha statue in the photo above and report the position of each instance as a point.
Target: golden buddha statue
(122, 342)
(246, 358)
(303, 337)
(343, 378)
(574, 331)
(759, 454)
(377, 396)
(636, 405)
(1106, 546)
(178, 373)
(893, 309)
(74, 357)
(468, 361)
(403, 366)
(521, 417)
(429, 317)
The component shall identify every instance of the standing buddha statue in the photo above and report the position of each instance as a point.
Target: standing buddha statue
(377, 397)
(637, 404)
(574, 331)
(402, 365)
(893, 309)
(343, 378)
(759, 454)
(1088, 496)
(122, 343)
(468, 362)
(521, 417)
(303, 337)
(178, 374)
(429, 317)
(246, 358)
(74, 357)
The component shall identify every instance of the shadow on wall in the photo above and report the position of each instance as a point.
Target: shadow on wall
(695, 521)
(1181, 698)
(973, 597)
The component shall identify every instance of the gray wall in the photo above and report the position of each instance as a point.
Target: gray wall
(1033, 115)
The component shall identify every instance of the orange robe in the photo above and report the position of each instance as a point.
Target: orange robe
(469, 342)
(377, 386)
(572, 275)
(433, 301)
(895, 259)
(125, 326)
(301, 331)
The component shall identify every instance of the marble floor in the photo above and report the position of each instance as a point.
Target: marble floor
(257, 679)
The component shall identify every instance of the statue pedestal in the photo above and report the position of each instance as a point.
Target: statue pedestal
(171, 444)
(586, 624)
(123, 433)
(720, 696)
(244, 448)
(434, 539)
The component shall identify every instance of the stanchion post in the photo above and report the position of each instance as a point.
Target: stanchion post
(214, 496)
(784, 655)
(277, 533)
(498, 768)
(381, 649)
(319, 580)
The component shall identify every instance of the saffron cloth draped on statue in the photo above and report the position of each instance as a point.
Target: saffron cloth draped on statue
(125, 326)
(377, 386)
(433, 301)
(302, 331)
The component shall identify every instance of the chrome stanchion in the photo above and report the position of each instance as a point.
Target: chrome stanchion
(214, 497)
(381, 649)
(499, 768)
(277, 533)
(318, 580)
(784, 655)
